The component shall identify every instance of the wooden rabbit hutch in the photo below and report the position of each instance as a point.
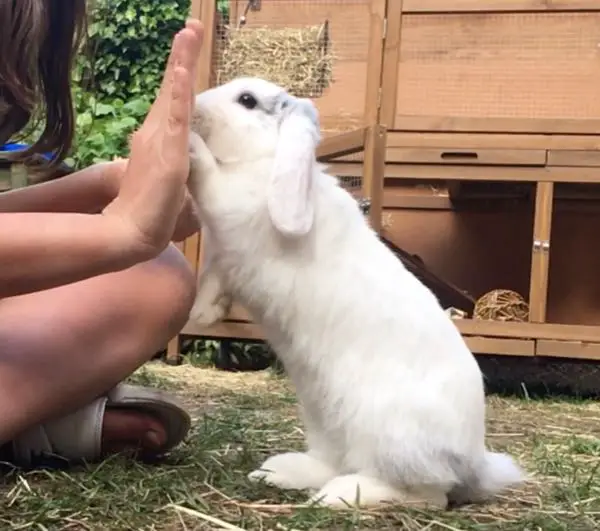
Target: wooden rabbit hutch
(475, 125)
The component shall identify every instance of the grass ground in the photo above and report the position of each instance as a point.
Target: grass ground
(242, 418)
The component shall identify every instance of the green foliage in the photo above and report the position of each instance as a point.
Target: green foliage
(223, 6)
(230, 355)
(119, 72)
(128, 45)
(103, 128)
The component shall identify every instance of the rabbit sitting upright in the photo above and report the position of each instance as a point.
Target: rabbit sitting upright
(391, 398)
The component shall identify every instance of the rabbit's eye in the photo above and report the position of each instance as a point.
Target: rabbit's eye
(247, 100)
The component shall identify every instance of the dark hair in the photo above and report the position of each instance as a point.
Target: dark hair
(38, 43)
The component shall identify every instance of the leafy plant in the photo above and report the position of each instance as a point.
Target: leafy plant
(119, 71)
(103, 128)
(128, 45)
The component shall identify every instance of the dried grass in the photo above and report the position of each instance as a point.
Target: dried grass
(203, 485)
(502, 305)
(298, 59)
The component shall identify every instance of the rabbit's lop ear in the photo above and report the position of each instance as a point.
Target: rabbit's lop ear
(290, 201)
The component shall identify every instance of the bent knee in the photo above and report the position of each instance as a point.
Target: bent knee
(170, 288)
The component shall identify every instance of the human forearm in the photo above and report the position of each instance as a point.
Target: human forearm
(86, 191)
(42, 251)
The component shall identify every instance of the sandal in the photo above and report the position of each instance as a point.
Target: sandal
(78, 436)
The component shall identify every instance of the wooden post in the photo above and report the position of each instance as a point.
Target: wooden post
(374, 173)
(377, 30)
(204, 10)
(391, 58)
(540, 255)
(374, 153)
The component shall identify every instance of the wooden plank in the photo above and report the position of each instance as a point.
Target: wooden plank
(225, 329)
(479, 6)
(4, 179)
(461, 124)
(192, 250)
(455, 172)
(475, 327)
(492, 141)
(173, 348)
(206, 12)
(391, 56)
(18, 176)
(377, 9)
(373, 176)
(578, 158)
(340, 145)
(503, 78)
(493, 345)
(540, 258)
(501, 157)
(417, 198)
(568, 349)
(447, 293)
(471, 156)
(489, 173)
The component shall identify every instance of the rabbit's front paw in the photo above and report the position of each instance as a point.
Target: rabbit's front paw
(293, 470)
(207, 313)
(201, 158)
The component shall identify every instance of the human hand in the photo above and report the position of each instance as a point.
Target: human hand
(152, 193)
(187, 221)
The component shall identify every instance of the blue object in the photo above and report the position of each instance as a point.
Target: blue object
(12, 147)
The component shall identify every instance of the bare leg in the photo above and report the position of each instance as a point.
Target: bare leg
(61, 348)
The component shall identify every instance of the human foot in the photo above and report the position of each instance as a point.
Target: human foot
(125, 430)
(129, 418)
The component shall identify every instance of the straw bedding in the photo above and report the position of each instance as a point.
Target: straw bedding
(298, 59)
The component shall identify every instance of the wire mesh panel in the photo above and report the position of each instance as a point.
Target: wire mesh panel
(316, 49)
(500, 65)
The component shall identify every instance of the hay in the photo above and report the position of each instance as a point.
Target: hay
(297, 59)
(501, 305)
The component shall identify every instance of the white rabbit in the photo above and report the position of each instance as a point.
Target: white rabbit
(391, 398)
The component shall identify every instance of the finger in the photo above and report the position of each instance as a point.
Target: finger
(183, 48)
(196, 26)
(196, 45)
(188, 45)
(180, 108)
(167, 79)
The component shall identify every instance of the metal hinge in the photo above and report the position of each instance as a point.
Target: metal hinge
(541, 245)
(385, 24)
(379, 98)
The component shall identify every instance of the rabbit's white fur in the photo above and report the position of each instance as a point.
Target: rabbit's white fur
(391, 398)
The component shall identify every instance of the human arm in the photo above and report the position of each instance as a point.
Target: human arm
(44, 250)
(85, 191)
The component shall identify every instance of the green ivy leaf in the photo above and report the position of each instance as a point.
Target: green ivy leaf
(119, 72)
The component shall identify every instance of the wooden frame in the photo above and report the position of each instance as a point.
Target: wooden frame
(423, 9)
(545, 152)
